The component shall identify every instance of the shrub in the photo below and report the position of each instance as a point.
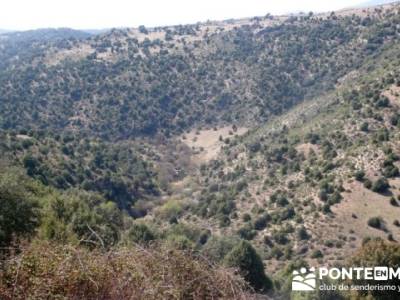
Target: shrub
(287, 213)
(390, 171)
(241, 185)
(19, 209)
(282, 201)
(247, 232)
(84, 216)
(359, 175)
(393, 201)
(335, 198)
(261, 222)
(364, 127)
(140, 233)
(143, 29)
(280, 238)
(171, 209)
(367, 183)
(317, 254)
(180, 242)
(302, 233)
(245, 257)
(377, 252)
(323, 195)
(246, 217)
(276, 252)
(217, 248)
(53, 271)
(326, 209)
(376, 222)
(380, 186)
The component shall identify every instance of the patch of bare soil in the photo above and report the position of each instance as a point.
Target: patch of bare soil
(352, 214)
(206, 144)
(307, 148)
(76, 53)
(393, 94)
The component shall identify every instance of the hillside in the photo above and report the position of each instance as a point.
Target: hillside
(376, 2)
(250, 146)
(126, 83)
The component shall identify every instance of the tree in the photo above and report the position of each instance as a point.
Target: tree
(302, 233)
(380, 186)
(377, 252)
(143, 29)
(19, 214)
(376, 222)
(364, 127)
(360, 175)
(217, 247)
(244, 257)
(85, 216)
(247, 232)
(262, 222)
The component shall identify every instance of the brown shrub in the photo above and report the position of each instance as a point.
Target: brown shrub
(44, 270)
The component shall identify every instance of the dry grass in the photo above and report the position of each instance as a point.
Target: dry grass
(206, 143)
(51, 271)
(366, 204)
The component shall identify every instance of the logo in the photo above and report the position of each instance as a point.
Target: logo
(304, 280)
(381, 273)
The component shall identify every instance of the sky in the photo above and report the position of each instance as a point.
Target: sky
(98, 14)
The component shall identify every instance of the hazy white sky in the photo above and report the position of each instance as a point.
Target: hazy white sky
(88, 14)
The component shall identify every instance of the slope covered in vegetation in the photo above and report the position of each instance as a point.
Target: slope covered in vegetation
(118, 86)
(199, 161)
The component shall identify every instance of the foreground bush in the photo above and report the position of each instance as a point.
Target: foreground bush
(245, 257)
(48, 271)
(19, 213)
(373, 253)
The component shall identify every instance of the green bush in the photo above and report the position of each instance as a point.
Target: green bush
(19, 208)
(261, 222)
(364, 127)
(302, 233)
(393, 201)
(376, 222)
(169, 210)
(246, 217)
(359, 175)
(376, 252)
(217, 247)
(247, 232)
(140, 233)
(245, 257)
(316, 254)
(367, 183)
(380, 186)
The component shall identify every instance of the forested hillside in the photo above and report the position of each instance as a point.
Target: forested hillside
(117, 86)
(239, 149)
